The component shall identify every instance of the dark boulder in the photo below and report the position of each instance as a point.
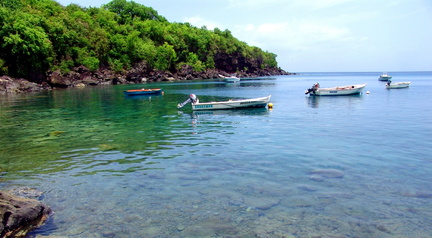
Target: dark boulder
(20, 215)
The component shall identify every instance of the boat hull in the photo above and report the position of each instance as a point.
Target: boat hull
(384, 78)
(232, 79)
(339, 91)
(398, 85)
(232, 104)
(135, 92)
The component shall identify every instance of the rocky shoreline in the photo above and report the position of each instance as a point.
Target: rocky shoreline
(82, 76)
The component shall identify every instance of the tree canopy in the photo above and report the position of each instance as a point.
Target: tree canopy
(38, 36)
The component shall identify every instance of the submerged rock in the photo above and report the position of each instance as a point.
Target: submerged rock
(327, 173)
(262, 203)
(26, 192)
(20, 215)
(417, 194)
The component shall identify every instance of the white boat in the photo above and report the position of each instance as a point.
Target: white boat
(315, 90)
(384, 77)
(230, 104)
(230, 79)
(391, 85)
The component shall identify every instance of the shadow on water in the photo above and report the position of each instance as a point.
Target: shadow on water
(235, 112)
(347, 101)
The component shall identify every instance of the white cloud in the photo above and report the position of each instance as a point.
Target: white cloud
(293, 36)
(323, 3)
(253, 3)
(287, 4)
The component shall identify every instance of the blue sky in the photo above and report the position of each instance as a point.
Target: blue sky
(316, 35)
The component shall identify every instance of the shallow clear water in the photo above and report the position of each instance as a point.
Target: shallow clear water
(116, 166)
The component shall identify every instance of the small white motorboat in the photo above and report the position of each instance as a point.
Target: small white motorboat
(230, 79)
(230, 104)
(384, 77)
(315, 90)
(390, 85)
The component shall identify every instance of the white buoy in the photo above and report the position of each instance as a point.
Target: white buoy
(367, 92)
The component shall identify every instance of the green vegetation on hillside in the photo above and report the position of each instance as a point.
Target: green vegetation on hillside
(37, 36)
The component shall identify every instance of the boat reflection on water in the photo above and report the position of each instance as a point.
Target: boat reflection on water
(221, 121)
(346, 101)
(144, 97)
(234, 112)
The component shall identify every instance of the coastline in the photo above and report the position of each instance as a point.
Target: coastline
(82, 77)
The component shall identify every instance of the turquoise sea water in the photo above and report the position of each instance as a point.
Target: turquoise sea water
(116, 166)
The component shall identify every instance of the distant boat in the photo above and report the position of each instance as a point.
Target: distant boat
(148, 91)
(230, 79)
(390, 85)
(384, 77)
(315, 90)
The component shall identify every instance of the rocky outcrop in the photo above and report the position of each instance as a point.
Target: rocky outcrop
(12, 85)
(20, 215)
(139, 73)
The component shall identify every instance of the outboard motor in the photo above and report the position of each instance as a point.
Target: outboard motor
(388, 82)
(192, 99)
(313, 88)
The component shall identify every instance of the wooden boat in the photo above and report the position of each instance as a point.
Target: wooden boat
(384, 77)
(315, 90)
(391, 85)
(147, 91)
(232, 104)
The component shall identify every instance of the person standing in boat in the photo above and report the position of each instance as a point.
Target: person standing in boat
(192, 99)
(388, 82)
(314, 88)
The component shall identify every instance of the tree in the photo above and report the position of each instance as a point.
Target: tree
(25, 45)
(127, 11)
(165, 56)
(37, 36)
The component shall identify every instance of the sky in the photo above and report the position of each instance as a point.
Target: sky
(316, 35)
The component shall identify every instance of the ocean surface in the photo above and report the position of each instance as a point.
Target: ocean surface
(115, 166)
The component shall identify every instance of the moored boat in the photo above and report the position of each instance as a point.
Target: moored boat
(390, 84)
(143, 91)
(315, 90)
(230, 104)
(384, 77)
(230, 79)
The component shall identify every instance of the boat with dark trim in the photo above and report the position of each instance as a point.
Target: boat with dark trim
(391, 85)
(230, 104)
(384, 77)
(143, 91)
(316, 90)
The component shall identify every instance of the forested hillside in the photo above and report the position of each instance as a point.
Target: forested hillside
(38, 37)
